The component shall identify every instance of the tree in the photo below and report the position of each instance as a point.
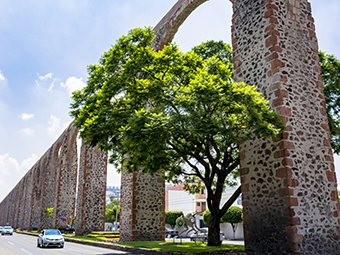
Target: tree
(171, 217)
(49, 212)
(233, 215)
(179, 113)
(112, 211)
(330, 72)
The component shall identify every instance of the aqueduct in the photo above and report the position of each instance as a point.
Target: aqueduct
(289, 188)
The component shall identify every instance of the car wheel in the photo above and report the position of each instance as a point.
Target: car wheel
(38, 245)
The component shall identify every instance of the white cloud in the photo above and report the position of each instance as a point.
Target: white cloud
(3, 80)
(2, 77)
(8, 165)
(72, 84)
(54, 125)
(11, 172)
(27, 131)
(45, 77)
(52, 85)
(26, 116)
(27, 163)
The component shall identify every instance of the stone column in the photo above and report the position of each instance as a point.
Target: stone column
(142, 215)
(91, 191)
(288, 185)
(66, 176)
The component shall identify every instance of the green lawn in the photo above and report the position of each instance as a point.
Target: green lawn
(87, 238)
(185, 247)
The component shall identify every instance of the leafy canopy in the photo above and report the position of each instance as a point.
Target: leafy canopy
(165, 108)
(330, 72)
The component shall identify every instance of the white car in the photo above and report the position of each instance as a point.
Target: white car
(7, 230)
(50, 238)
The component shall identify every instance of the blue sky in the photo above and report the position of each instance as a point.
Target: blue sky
(45, 47)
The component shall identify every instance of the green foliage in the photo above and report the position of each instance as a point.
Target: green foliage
(178, 112)
(49, 212)
(330, 72)
(183, 248)
(206, 216)
(233, 215)
(171, 217)
(114, 202)
(110, 214)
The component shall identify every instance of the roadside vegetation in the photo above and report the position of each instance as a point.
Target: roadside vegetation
(184, 247)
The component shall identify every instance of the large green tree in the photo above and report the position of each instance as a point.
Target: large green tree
(179, 113)
(330, 72)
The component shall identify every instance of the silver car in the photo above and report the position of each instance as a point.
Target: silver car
(50, 238)
(7, 230)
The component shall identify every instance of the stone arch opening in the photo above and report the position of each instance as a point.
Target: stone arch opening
(197, 28)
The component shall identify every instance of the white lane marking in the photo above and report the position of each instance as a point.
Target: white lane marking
(10, 243)
(26, 251)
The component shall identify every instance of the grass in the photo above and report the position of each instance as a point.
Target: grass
(185, 247)
(97, 238)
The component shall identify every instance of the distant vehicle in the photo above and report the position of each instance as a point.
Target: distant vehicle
(203, 232)
(222, 236)
(7, 230)
(170, 232)
(50, 238)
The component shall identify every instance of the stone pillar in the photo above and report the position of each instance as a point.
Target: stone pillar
(91, 191)
(66, 176)
(288, 185)
(142, 215)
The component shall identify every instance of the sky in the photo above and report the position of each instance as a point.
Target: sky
(46, 46)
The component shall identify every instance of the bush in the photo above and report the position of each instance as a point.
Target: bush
(171, 217)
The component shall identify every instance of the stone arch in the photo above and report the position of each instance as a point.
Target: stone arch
(166, 29)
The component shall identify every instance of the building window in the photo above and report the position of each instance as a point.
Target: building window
(202, 191)
(204, 207)
(198, 204)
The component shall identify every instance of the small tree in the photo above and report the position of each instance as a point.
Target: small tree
(234, 216)
(171, 217)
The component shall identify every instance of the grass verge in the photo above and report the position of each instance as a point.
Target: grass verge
(185, 247)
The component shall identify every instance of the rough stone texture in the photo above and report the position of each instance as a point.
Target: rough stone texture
(28, 201)
(91, 191)
(166, 29)
(142, 215)
(66, 177)
(288, 185)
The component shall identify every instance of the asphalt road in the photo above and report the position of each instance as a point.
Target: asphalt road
(19, 244)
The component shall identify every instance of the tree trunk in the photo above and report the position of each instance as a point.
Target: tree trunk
(214, 231)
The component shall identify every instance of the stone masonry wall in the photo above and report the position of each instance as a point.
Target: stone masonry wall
(67, 177)
(142, 215)
(91, 191)
(288, 185)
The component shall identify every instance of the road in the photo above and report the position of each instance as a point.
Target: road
(20, 244)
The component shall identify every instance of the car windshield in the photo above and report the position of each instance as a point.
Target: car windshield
(52, 232)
